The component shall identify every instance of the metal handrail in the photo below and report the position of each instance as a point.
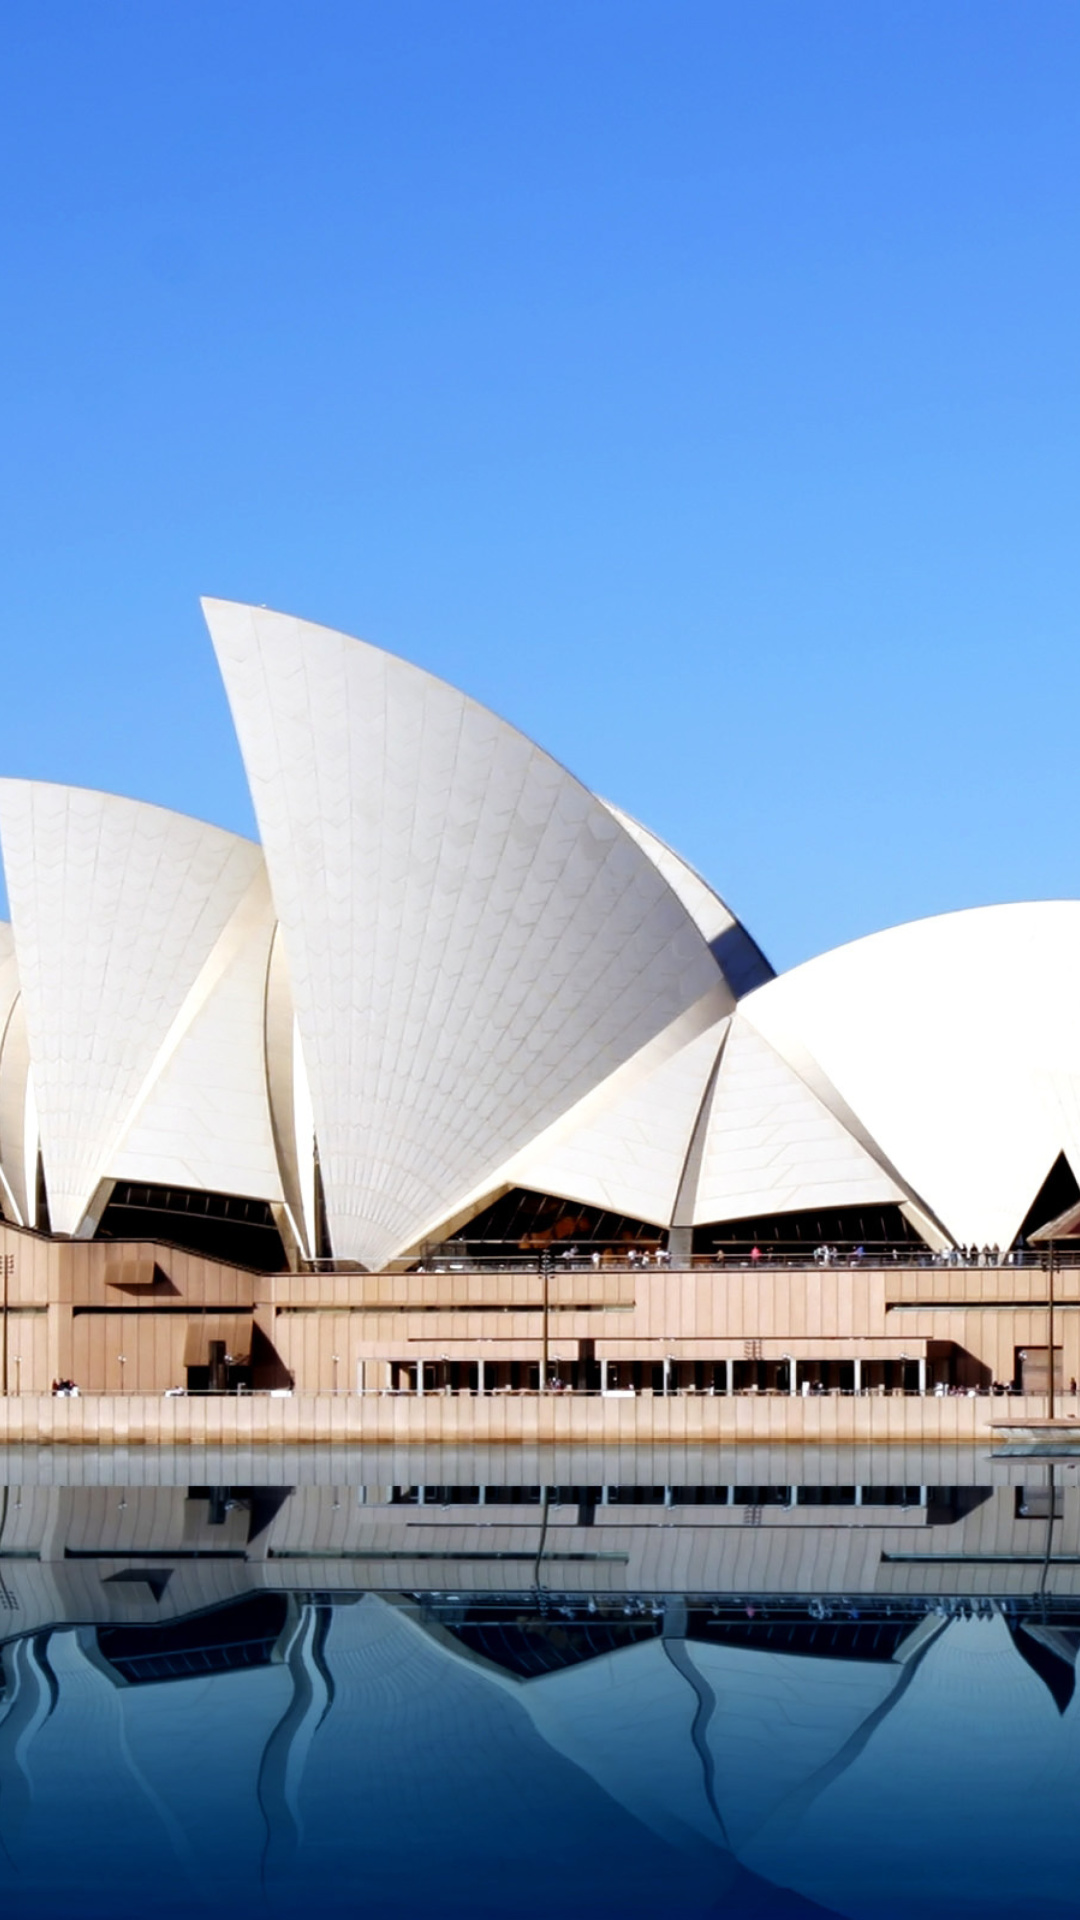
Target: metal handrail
(737, 1254)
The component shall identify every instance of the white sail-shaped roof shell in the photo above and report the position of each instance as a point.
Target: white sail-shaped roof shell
(956, 1042)
(18, 1122)
(740, 959)
(141, 938)
(204, 1122)
(474, 941)
(463, 972)
(625, 1148)
(724, 1129)
(770, 1145)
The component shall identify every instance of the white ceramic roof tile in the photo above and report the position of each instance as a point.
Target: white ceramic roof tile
(770, 1146)
(290, 1099)
(741, 961)
(117, 907)
(956, 1041)
(19, 1172)
(205, 1120)
(474, 941)
(624, 1148)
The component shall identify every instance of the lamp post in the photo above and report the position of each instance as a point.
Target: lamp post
(335, 1358)
(122, 1357)
(1050, 1345)
(7, 1261)
(1066, 1226)
(545, 1270)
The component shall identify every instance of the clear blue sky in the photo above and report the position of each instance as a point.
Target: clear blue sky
(696, 384)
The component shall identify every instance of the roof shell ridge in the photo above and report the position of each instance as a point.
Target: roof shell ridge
(71, 789)
(424, 675)
(921, 925)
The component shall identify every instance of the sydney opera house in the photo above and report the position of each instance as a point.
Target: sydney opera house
(462, 1081)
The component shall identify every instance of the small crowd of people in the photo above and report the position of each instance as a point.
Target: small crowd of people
(831, 1256)
(609, 1257)
(912, 1253)
(65, 1389)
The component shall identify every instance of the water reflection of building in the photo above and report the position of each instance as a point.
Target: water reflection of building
(211, 1718)
(916, 1525)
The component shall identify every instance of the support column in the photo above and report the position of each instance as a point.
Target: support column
(59, 1336)
(680, 1242)
(283, 1221)
(480, 1376)
(858, 1376)
(91, 1219)
(420, 1376)
(922, 1375)
(667, 1376)
(793, 1383)
(729, 1370)
(603, 1376)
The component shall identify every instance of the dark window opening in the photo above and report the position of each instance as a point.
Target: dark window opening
(796, 1235)
(1058, 1191)
(224, 1226)
(42, 1199)
(523, 1222)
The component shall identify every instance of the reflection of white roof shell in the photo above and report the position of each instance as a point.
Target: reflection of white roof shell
(675, 1758)
(459, 971)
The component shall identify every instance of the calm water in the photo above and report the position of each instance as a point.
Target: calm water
(748, 1683)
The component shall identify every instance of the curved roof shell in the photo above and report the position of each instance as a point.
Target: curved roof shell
(956, 1042)
(770, 1144)
(475, 941)
(18, 1119)
(462, 971)
(142, 939)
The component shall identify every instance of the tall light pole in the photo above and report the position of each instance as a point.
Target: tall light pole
(7, 1261)
(545, 1270)
(1050, 1339)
